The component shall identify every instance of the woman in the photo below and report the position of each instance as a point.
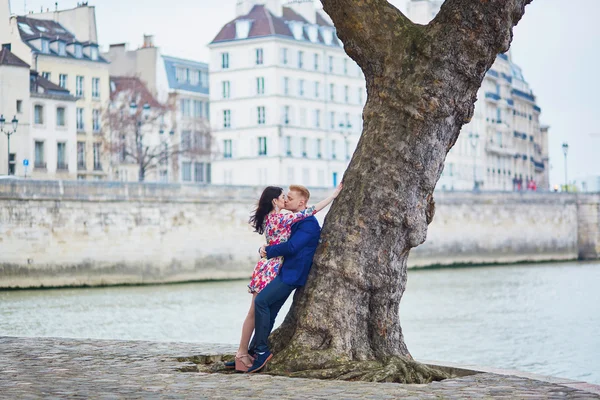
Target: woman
(270, 218)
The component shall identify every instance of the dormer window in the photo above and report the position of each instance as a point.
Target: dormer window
(312, 33)
(78, 51)
(327, 34)
(297, 29)
(94, 53)
(242, 28)
(62, 48)
(45, 46)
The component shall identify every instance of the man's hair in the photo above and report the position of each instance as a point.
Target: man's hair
(302, 190)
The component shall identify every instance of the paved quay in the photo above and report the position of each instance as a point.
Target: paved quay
(52, 368)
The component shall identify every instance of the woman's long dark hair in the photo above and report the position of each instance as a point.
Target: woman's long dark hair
(265, 206)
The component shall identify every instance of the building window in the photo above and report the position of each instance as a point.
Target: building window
(332, 120)
(319, 146)
(94, 53)
(62, 81)
(302, 116)
(345, 66)
(284, 56)
(78, 51)
(96, 88)
(40, 161)
(286, 86)
(186, 171)
(60, 116)
(224, 60)
(300, 59)
(331, 64)
(80, 155)
(316, 62)
(306, 176)
(199, 172)
(96, 120)
(186, 140)
(180, 74)
(186, 108)
(97, 153)
(317, 118)
(360, 95)
(260, 85)
(348, 121)
(194, 77)
(61, 156)
(226, 89)
(262, 146)
(286, 115)
(38, 112)
(317, 90)
(203, 75)
(226, 118)
(19, 106)
(301, 87)
(198, 109)
(45, 46)
(288, 145)
(227, 147)
(331, 92)
(80, 123)
(259, 56)
(46, 75)
(261, 115)
(346, 94)
(304, 147)
(62, 48)
(79, 86)
(333, 146)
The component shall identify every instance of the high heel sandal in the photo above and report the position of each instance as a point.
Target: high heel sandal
(239, 363)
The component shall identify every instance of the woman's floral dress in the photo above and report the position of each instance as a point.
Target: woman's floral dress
(278, 228)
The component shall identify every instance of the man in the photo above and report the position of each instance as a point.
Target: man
(298, 253)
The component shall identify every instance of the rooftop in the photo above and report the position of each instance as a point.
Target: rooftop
(263, 23)
(8, 58)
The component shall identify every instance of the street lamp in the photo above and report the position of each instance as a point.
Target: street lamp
(565, 149)
(473, 139)
(15, 123)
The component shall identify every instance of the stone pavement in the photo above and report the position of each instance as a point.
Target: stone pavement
(52, 368)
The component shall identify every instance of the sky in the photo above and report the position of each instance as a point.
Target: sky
(557, 44)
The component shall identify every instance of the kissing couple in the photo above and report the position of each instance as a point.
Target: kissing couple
(292, 236)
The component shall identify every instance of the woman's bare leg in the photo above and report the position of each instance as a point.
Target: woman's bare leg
(247, 330)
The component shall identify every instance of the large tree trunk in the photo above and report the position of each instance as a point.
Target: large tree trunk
(422, 83)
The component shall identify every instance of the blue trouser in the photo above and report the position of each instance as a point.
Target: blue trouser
(266, 306)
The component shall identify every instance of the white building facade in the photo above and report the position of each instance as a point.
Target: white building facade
(503, 147)
(181, 84)
(286, 100)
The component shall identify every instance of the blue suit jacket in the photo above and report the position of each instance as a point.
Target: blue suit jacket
(298, 251)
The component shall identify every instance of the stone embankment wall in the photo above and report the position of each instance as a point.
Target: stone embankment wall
(58, 233)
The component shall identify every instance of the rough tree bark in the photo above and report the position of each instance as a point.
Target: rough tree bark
(422, 83)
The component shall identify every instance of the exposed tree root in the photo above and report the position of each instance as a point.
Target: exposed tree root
(396, 369)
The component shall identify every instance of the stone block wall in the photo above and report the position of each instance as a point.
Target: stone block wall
(60, 233)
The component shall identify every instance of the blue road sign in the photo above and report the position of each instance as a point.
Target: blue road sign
(25, 162)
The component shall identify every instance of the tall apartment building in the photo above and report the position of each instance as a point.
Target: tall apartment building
(286, 100)
(503, 147)
(183, 85)
(63, 47)
(44, 143)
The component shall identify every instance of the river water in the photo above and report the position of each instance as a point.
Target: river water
(542, 318)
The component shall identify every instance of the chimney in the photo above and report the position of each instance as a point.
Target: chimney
(148, 41)
(306, 8)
